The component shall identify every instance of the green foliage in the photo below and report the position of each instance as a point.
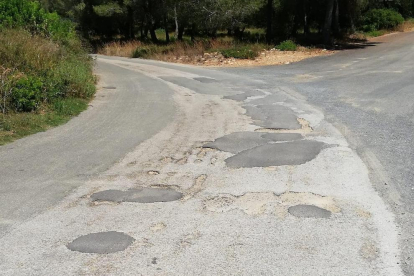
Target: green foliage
(69, 106)
(378, 19)
(29, 15)
(141, 52)
(243, 52)
(16, 125)
(108, 10)
(375, 33)
(287, 45)
(43, 70)
(27, 94)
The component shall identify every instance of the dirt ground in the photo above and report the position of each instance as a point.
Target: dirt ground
(266, 57)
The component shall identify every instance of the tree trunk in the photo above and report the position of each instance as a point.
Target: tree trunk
(328, 22)
(153, 34)
(167, 35)
(269, 29)
(193, 32)
(306, 30)
(336, 28)
(180, 32)
(177, 27)
(130, 25)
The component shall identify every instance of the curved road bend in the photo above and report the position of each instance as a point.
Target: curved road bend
(160, 115)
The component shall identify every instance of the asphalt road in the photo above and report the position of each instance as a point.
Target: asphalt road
(368, 94)
(150, 132)
(37, 172)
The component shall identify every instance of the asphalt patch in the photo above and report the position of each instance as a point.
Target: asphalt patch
(278, 154)
(309, 211)
(273, 116)
(101, 243)
(143, 195)
(241, 141)
(205, 80)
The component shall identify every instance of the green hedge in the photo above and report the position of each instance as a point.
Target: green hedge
(378, 19)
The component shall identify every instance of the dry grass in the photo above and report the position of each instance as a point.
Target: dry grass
(163, 52)
(407, 26)
(209, 52)
(120, 49)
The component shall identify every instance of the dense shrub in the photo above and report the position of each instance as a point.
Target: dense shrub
(378, 19)
(287, 45)
(240, 53)
(45, 56)
(27, 94)
(141, 52)
(30, 15)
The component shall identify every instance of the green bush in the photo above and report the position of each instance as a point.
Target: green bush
(378, 19)
(287, 45)
(29, 15)
(240, 53)
(27, 94)
(141, 52)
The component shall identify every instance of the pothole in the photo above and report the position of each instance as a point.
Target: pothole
(270, 203)
(279, 154)
(101, 243)
(153, 172)
(309, 211)
(143, 195)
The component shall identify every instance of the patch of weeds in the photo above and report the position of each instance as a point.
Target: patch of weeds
(14, 126)
(240, 53)
(69, 106)
(287, 45)
(140, 52)
(375, 33)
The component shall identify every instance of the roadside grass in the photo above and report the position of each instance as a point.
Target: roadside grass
(407, 26)
(226, 45)
(376, 33)
(14, 125)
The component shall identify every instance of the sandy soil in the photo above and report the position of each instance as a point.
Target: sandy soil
(266, 57)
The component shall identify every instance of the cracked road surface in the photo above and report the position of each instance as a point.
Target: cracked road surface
(189, 171)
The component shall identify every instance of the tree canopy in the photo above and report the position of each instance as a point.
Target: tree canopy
(281, 18)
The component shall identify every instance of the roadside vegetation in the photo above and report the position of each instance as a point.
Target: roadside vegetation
(196, 31)
(45, 73)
